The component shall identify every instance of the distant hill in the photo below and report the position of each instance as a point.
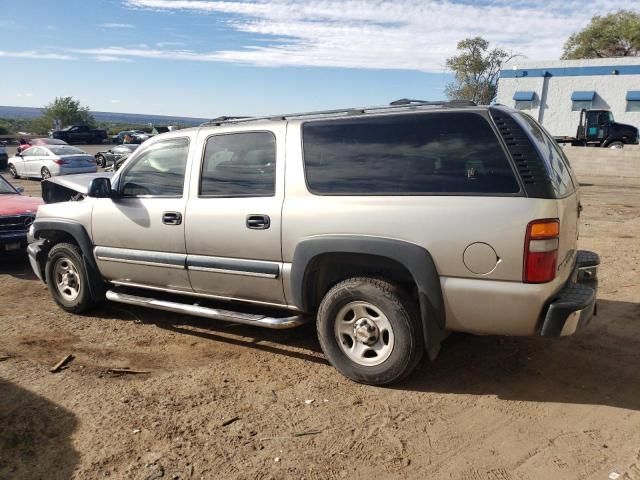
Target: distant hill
(111, 117)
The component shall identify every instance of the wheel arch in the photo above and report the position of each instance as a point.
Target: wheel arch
(58, 230)
(404, 260)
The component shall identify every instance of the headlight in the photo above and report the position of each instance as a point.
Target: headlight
(31, 234)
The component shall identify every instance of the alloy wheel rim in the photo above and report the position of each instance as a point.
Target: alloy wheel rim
(364, 333)
(67, 279)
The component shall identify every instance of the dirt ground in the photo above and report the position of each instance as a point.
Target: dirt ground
(226, 401)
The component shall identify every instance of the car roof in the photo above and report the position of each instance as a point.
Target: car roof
(398, 107)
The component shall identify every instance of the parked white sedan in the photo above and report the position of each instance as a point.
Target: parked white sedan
(51, 160)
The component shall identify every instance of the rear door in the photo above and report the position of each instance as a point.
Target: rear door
(35, 160)
(233, 223)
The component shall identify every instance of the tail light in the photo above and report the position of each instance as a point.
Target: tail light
(541, 251)
(60, 161)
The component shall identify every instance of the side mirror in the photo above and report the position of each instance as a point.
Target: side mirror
(100, 188)
(20, 189)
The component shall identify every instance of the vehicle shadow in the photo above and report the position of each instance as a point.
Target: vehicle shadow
(300, 342)
(35, 436)
(598, 366)
(16, 264)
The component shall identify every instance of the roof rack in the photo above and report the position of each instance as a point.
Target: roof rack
(402, 104)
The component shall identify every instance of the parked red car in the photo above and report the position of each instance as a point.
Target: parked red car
(38, 141)
(17, 213)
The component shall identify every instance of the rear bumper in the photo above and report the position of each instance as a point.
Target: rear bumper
(572, 308)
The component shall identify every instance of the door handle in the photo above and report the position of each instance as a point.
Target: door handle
(258, 222)
(172, 218)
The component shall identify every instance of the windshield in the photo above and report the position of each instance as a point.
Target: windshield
(5, 187)
(66, 150)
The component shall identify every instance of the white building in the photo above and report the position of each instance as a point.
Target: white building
(554, 92)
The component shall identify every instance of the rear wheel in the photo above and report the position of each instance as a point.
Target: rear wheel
(67, 278)
(45, 173)
(370, 331)
(616, 145)
(101, 161)
(12, 171)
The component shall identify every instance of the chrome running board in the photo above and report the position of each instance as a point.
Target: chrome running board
(277, 323)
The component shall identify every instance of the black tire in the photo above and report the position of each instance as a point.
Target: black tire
(616, 144)
(12, 171)
(101, 161)
(71, 254)
(45, 173)
(400, 312)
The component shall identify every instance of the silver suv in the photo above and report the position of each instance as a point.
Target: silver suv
(387, 226)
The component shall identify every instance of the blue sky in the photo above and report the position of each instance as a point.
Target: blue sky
(208, 58)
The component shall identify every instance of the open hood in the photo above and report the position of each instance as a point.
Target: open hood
(69, 187)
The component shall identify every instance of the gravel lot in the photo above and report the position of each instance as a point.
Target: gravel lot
(226, 401)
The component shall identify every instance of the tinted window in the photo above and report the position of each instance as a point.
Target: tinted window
(158, 171)
(239, 164)
(554, 159)
(448, 152)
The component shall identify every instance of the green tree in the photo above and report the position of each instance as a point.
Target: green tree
(613, 35)
(476, 70)
(67, 111)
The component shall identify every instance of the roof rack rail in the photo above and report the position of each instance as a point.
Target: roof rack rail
(402, 104)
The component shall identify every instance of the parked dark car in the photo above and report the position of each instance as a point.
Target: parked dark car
(3, 157)
(137, 136)
(17, 213)
(80, 134)
(112, 155)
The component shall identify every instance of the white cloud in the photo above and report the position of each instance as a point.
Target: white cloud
(169, 44)
(28, 94)
(116, 25)
(115, 101)
(111, 58)
(35, 54)
(387, 34)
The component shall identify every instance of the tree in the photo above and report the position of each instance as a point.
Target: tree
(614, 35)
(67, 111)
(476, 70)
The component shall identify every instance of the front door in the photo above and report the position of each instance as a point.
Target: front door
(234, 215)
(139, 235)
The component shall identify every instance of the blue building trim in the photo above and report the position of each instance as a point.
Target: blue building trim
(583, 96)
(571, 71)
(633, 96)
(524, 96)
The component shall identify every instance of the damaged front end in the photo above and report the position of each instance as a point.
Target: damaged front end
(69, 188)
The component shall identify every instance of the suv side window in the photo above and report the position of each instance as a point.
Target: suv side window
(413, 154)
(553, 157)
(158, 171)
(239, 165)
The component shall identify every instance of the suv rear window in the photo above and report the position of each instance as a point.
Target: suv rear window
(413, 154)
(555, 161)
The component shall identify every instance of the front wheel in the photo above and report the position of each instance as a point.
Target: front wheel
(101, 161)
(12, 171)
(67, 278)
(370, 331)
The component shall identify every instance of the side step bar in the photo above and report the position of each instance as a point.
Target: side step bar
(276, 323)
